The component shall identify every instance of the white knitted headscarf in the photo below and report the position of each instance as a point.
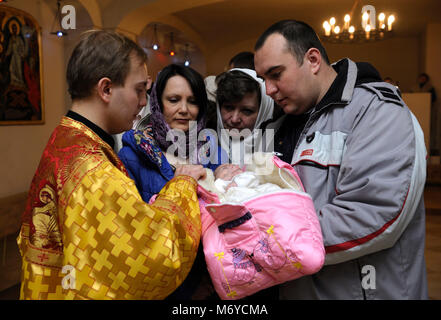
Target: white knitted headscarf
(210, 85)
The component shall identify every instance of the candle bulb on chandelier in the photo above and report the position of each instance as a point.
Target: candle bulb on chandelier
(332, 23)
(327, 28)
(381, 18)
(351, 32)
(347, 18)
(368, 31)
(364, 20)
(390, 20)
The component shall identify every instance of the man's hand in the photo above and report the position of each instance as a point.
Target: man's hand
(195, 171)
(227, 171)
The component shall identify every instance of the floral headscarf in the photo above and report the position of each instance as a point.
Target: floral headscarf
(161, 128)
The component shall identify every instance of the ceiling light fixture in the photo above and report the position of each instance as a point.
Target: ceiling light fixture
(369, 31)
(57, 20)
(187, 60)
(155, 45)
(172, 45)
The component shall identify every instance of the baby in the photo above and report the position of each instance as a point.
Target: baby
(259, 229)
(243, 187)
(256, 181)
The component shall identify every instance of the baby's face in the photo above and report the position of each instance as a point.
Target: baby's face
(245, 179)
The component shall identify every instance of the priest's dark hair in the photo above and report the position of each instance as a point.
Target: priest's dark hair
(100, 54)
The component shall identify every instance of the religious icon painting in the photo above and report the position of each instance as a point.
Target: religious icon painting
(21, 98)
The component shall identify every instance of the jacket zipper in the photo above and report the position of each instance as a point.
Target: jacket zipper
(314, 114)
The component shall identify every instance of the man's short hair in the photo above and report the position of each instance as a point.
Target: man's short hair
(299, 36)
(100, 54)
(232, 86)
(244, 59)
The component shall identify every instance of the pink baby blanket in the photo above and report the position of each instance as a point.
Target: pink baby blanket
(265, 240)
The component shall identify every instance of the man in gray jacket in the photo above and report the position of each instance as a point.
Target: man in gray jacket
(361, 156)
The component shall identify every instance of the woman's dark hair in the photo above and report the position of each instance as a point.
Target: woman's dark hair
(233, 85)
(195, 80)
(100, 54)
(299, 36)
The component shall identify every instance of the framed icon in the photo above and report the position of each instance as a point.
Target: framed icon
(21, 98)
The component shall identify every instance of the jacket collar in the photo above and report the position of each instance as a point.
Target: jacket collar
(342, 88)
(349, 76)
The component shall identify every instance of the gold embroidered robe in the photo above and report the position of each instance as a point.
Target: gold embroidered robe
(87, 233)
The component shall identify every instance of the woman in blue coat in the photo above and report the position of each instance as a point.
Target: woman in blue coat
(177, 101)
(178, 104)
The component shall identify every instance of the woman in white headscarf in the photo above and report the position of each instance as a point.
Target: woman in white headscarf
(242, 107)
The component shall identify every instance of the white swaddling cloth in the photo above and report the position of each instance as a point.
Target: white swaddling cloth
(243, 186)
(261, 177)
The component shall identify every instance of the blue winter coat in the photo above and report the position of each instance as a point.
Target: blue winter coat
(147, 164)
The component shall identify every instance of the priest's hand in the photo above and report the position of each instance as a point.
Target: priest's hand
(195, 171)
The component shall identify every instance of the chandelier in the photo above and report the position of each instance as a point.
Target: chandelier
(372, 27)
(166, 42)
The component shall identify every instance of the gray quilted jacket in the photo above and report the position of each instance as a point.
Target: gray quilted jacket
(362, 158)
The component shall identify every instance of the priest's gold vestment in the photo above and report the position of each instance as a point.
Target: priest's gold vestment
(87, 233)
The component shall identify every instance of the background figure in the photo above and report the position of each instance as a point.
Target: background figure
(389, 80)
(361, 156)
(425, 85)
(244, 59)
(17, 49)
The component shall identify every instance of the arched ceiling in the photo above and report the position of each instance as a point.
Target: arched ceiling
(214, 24)
(237, 20)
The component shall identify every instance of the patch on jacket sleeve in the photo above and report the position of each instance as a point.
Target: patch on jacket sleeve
(322, 149)
(385, 92)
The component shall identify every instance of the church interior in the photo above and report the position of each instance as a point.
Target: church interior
(204, 34)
